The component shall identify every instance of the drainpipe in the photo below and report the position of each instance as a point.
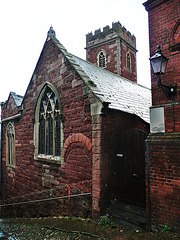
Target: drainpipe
(0, 148)
(1, 158)
(148, 184)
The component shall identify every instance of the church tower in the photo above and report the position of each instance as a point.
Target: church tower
(113, 49)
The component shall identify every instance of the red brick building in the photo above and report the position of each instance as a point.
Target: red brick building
(164, 139)
(76, 123)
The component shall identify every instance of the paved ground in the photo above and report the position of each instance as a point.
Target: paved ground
(70, 228)
(11, 231)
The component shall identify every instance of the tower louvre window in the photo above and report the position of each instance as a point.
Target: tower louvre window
(128, 61)
(101, 59)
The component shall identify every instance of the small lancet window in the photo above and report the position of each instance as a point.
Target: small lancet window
(10, 136)
(128, 61)
(101, 59)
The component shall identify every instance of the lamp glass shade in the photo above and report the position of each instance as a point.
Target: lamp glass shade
(159, 63)
(163, 64)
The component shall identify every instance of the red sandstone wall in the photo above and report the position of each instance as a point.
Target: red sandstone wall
(129, 74)
(110, 49)
(31, 179)
(8, 109)
(114, 63)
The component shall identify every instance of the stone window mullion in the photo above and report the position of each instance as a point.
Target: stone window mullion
(11, 149)
(46, 136)
(54, 135)
(50, 135)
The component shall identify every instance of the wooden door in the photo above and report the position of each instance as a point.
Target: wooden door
(129, 168)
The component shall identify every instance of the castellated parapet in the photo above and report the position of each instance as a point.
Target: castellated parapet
(117, 31)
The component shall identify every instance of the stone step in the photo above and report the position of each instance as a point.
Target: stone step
(130, 216)
(125, 224)
(129, 208)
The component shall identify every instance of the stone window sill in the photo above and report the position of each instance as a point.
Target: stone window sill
(10, 165)
(49, 159)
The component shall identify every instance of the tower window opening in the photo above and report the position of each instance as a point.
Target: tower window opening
(101, 59)
(128, 61)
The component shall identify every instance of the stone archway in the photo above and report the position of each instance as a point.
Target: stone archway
(78, 161)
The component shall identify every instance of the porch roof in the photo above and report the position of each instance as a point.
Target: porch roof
(121, 93)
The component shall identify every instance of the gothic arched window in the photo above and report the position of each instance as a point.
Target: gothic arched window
(101, 59)
(48, 125)
(10, 136)
(174, 44)
(128, 61)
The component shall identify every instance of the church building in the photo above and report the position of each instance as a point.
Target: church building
(74, 144)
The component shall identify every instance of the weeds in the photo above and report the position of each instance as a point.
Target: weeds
(105, 221)
(91, 83)
(72, 218)
(166, 228)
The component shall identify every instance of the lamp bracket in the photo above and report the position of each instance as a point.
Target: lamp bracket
(169, 90)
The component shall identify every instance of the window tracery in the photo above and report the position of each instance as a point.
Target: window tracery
(48, 125)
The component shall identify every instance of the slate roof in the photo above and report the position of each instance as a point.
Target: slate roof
(121, 93)
(17, 98)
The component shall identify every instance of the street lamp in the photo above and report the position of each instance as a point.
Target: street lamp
(159, 63)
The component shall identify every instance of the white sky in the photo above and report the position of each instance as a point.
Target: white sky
(24, 26)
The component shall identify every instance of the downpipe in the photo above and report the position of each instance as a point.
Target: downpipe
(148, 185)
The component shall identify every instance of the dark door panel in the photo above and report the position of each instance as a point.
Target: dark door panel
(128, 170)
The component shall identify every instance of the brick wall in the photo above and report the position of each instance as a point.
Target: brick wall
(164, 180)
(162, 20)
(164, 150)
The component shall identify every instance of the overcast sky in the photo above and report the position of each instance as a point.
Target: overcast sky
(24, 26)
